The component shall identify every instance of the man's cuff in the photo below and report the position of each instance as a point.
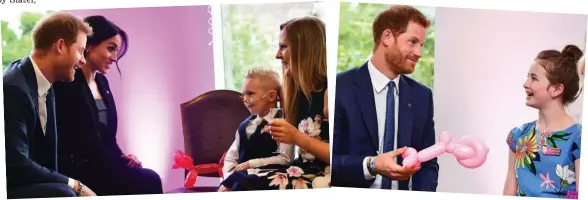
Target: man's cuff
(71, 183)
(366, 172)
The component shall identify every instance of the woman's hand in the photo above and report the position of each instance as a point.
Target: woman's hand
(284, 132)
(133, 161)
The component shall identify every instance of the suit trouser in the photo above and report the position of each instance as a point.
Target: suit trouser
(123, 181)
(42, 190)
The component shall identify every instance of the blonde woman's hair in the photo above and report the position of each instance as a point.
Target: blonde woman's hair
(307, 46)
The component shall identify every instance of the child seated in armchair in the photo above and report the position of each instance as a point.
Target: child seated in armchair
(253, 146)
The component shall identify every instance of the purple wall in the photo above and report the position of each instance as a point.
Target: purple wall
(169, 62)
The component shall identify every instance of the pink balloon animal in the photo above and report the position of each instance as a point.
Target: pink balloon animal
(470, 152)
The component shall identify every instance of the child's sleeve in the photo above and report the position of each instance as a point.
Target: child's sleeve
(286, 157)
(511, 138)
(232, 156)
(576, 145)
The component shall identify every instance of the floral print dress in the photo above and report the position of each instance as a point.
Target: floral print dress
(306, 172)
(544, 165)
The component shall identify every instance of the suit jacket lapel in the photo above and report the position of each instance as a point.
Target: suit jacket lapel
(405, 115)
(31, 79)
(405, 121)
(365, 99)
(88, 100)
(87, 94)
(104, 89)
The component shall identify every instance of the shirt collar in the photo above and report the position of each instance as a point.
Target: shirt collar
(268, 117)
(379, 80)
(43, 84)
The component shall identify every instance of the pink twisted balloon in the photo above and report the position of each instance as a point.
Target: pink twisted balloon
(470, 152)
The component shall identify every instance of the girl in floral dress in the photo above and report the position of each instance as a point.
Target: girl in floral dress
(544, 153)
(305, 124)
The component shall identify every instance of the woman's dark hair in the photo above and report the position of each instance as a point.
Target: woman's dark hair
(103, 30)
(561, 69)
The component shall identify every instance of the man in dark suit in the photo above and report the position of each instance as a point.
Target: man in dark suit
(30, 131)
(378, 109)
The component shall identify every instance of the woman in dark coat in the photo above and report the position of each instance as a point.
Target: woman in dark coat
(87, 121)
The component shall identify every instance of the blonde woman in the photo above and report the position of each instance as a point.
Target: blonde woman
(303, 56)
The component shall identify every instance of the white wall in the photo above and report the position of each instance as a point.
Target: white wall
(481, 61)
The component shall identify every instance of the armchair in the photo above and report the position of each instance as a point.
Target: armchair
(209, 123)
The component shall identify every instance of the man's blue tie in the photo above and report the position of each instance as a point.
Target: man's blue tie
(389, 129)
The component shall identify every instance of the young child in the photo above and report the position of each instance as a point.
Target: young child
(253, 146)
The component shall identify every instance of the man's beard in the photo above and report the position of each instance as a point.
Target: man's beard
(64, 73)
(397, 62)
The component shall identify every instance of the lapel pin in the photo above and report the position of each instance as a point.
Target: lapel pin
(107, 91)
(409, 105)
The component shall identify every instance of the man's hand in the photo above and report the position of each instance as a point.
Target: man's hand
(86, 191)
(385, 165)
